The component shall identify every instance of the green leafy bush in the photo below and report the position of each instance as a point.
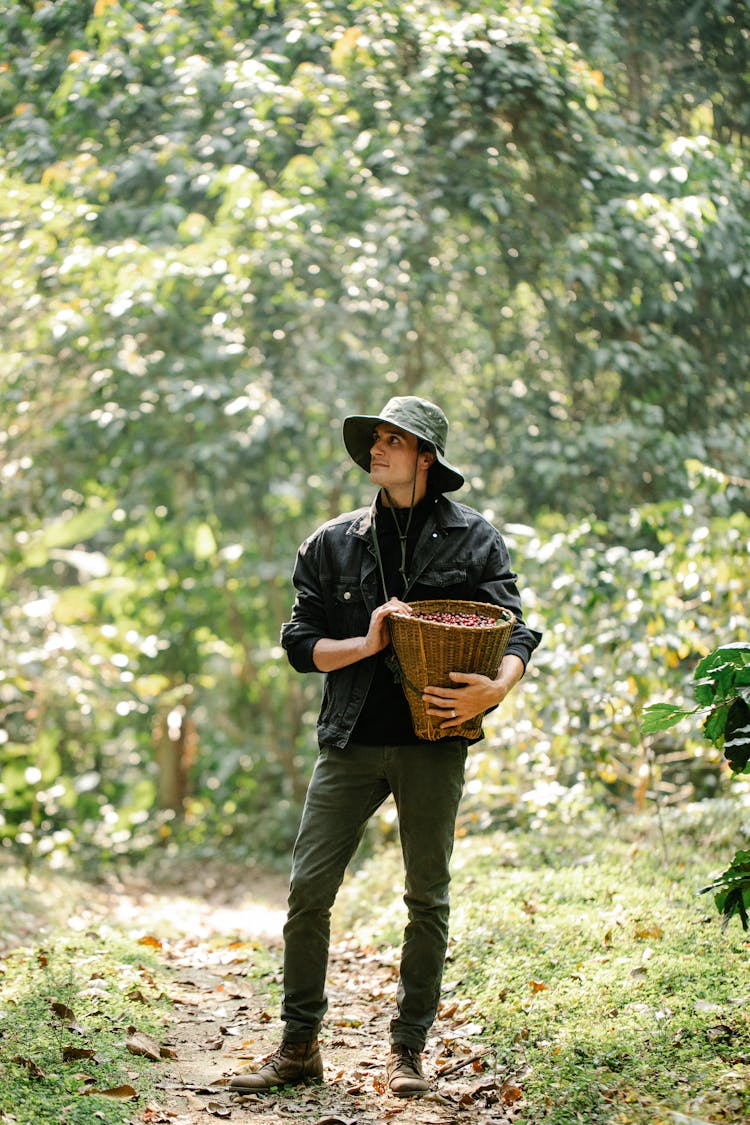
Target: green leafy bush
(722, 691)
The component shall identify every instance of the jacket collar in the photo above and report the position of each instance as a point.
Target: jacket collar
(447, 514)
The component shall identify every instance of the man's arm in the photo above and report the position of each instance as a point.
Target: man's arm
(330, 654)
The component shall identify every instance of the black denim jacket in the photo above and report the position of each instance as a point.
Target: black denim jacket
(459, 554)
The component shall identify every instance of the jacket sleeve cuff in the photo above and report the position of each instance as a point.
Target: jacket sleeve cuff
(300, 654)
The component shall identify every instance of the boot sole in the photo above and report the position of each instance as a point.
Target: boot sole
(243, 1089)
(409, 1093)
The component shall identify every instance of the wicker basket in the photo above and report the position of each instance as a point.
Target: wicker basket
(428, 650)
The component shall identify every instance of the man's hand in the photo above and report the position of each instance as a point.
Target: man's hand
(474, 694)
(330, 654)
(379, 635)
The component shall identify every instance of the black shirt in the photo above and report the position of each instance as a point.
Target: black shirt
(385, 718)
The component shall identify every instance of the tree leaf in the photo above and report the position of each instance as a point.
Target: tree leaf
(662, 716)
(714, 724)
(737, 736)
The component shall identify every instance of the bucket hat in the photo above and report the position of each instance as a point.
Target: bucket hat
(415, 415)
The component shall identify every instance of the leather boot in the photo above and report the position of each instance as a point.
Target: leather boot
(290, 1065)
(404, 1072)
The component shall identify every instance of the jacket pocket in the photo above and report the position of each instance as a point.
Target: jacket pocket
(444, 583)
(350, 616)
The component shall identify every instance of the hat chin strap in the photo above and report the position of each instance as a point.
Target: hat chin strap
(402, 535)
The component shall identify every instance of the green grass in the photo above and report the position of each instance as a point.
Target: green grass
(109, 983)
(600, 978)
(593, 965)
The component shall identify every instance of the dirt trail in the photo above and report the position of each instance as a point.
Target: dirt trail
(222, 950)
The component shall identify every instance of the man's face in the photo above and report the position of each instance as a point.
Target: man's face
(393, 457)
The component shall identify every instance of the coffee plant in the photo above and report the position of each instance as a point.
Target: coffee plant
(722, 693)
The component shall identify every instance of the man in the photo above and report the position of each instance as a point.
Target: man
(355, 571)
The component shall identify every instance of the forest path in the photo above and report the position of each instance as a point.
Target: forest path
(222, 952)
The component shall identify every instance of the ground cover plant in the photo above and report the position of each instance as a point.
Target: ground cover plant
(81, 1026)
(595, 978)
(588, 980)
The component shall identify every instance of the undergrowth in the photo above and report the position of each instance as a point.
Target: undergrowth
(589, 970)
(600, 978)
(68, 1008)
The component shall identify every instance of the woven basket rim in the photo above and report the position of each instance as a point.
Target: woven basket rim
(499, 622)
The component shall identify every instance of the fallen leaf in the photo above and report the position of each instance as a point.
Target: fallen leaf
(645, 933)
(216, 1109)
(29, 1064)
(474, 1061)
(168, 1053)
(62, 1011)
(119, 1093)
(138, 1043)
(510, 1093)
(155, 1116)
(686, 1119)
(71, 1053)
(537, 986)
(448, 1010)
(153, 942)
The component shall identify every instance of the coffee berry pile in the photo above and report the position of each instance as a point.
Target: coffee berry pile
(473, 620)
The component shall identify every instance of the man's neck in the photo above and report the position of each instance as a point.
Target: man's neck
(402, 498)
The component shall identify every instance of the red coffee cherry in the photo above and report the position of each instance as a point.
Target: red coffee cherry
(472, 620)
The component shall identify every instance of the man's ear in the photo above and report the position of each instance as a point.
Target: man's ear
(426, 456)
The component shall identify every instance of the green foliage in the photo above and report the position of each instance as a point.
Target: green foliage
(223, 227)
(722, 686)
(733, 890)
(585, 964)
(623, 623)
(68, 1013)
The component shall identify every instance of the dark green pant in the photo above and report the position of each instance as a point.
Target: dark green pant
(346, 788)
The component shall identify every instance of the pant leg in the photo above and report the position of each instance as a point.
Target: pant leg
(427, 783)
(346, 788)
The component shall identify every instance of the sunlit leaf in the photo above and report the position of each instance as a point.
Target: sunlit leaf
(661, 716)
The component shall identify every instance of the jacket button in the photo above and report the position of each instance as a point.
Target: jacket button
(347, 595)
